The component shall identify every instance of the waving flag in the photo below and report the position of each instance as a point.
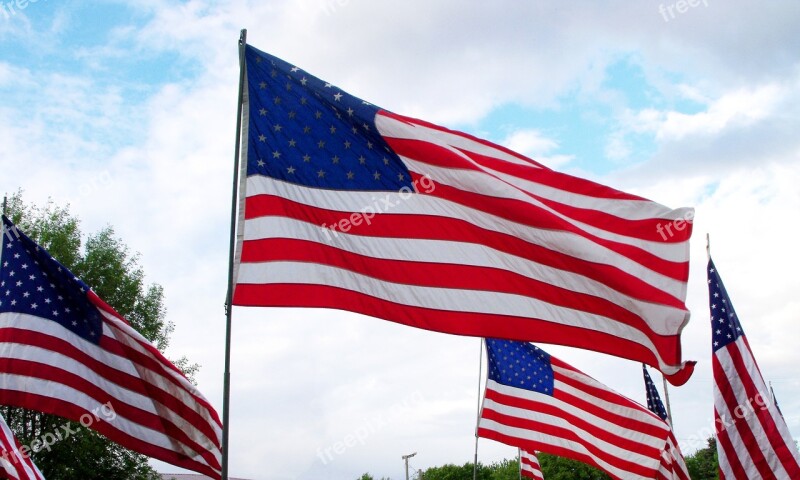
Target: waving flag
(673, 465)
(529, 465)
(65, 352)
(753, 440)
(538, 403)
(349, 206)
(14, 463)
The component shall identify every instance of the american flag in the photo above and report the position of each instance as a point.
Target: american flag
(15, 463)
(538, 403)
(673, 465)
(529, 465)
(753, 440)
(65, 352)
(353, 207)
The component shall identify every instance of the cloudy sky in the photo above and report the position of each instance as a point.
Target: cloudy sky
(126, 111)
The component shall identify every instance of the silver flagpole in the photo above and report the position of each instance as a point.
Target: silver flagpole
(666, 399)
(226, 389)
(478, 416)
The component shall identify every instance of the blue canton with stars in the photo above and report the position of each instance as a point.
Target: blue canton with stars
(520, 364)
(34, 283)
(654, 403)
(306, 131)
(725, 326)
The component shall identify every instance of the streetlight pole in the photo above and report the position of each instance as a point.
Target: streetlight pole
(405, 459)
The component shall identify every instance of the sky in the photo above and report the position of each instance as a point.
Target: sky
(126, 110)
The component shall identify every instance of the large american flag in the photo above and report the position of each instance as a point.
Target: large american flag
(65, 352)
(538, 403)
(15, 463)
(529, 465)
(753, 440)
(673, 465)
(349, 206)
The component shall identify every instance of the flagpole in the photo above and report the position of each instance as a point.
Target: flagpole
(666, 399)
(478, 416)
(519, 461)
(226, 389)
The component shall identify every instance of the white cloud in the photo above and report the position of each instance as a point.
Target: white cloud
(304, 379)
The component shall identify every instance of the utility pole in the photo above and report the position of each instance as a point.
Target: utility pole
(405, 459)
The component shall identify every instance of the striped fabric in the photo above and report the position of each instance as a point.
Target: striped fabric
(529, 465)
(753, 440)
(64, 351)
(14, 463)
(538, 403)
(673, 465)
(352, 207)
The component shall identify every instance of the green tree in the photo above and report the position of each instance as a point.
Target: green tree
(704, 463)
(561, 468)
(455, 472)
(106, 264)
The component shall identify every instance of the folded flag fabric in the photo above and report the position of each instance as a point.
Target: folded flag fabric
(65, 352)
(15, 463)
(753, 440)
(536, 402)
(349, 206)
(673, 465)
(529, 465)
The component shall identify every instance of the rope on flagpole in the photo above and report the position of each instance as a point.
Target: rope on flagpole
(229, 296)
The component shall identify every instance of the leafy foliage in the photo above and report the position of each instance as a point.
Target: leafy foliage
(106, 264)
(704, 463)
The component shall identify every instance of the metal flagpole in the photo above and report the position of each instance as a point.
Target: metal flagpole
(666, 399)
(226, 389)
(519, 461)
(478, 416)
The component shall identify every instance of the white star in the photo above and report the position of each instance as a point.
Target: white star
(337, 96)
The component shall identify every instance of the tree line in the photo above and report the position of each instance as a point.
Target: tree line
(702, 465)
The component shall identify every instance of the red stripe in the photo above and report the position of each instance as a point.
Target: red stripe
(731, 455)
(440, 275)
(133, 414)
(528, 214)
(536, 217)
(133, 383)
(55, 406)
(157, 366)
(774, 439)
(416, 121)
(450, 229)
(582, 422)
(729, 397)
(569, 435)
(551, 449)
(459, 323)
(596, 390)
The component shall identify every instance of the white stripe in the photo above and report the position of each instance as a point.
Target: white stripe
(742, 410)
(556, 241)
(185, 392)
(622, 208)
(724, 463)
(624, 431)
(726, 416)
(17, 463)
(632, 411)
(455, 300)
(119, 393)
(65, 393)
(500, 187)
(529, 435)
(663, 320)
(392, 128)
